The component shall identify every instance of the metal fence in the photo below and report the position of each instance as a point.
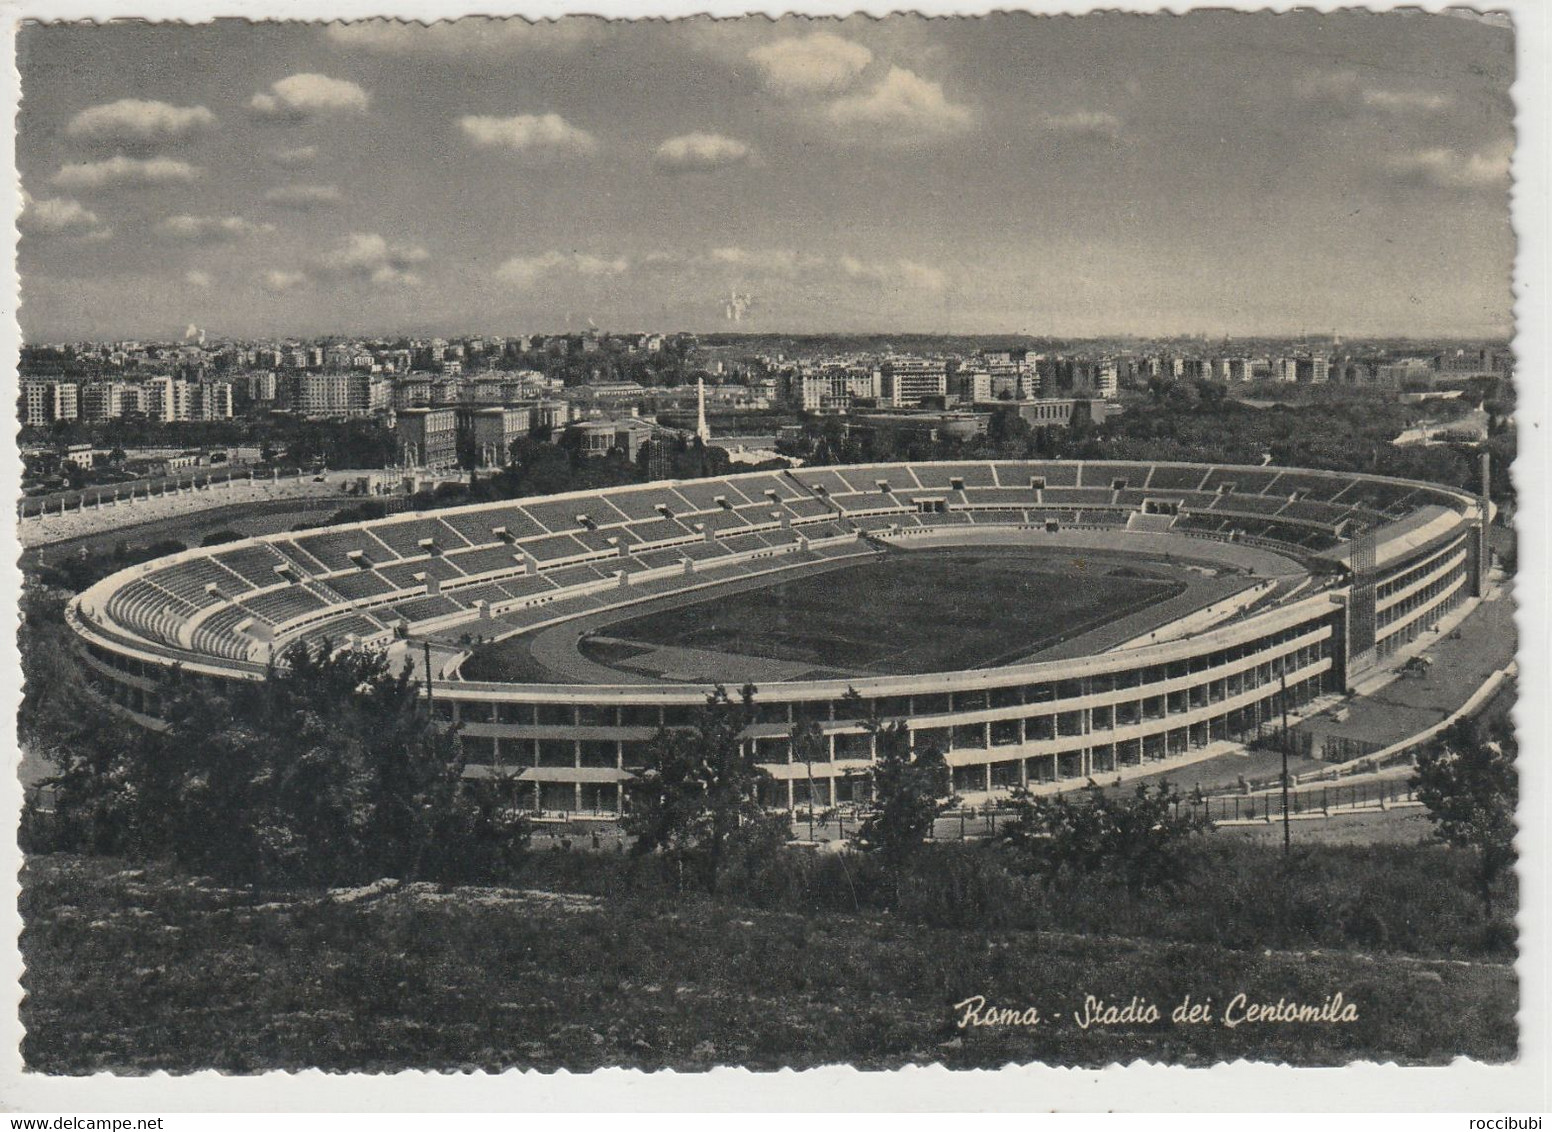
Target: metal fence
(1336, 798)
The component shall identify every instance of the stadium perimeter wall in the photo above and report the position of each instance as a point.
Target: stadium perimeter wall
(576, 745)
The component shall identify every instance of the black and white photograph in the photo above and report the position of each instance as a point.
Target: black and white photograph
(769, 543)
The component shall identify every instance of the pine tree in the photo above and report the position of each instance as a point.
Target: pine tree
(699, 794)
(1468, 781)
(329, 770)
(911, 787)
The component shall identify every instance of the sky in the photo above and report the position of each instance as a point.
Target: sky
(1217, 173)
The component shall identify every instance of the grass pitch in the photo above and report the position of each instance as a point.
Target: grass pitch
(902, 614)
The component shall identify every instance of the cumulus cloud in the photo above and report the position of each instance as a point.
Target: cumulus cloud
(536, 135)
(210, 229)
(196, 278)
(1084, 123)
(814, 64)
(895, 274)
(129, 172)
(904, 105)
(60, 216)
(295, 157)
(764, 261)
(303, 198)
(700, 153)
(278, 282)
(138, 122)
(366, 257)
(1406, 101)
(1345, 91)
(1450, 169)
(525, 271)
(472, 35)
(299, 98)
(921, 276)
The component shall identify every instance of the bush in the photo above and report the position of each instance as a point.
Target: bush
(1143, 841)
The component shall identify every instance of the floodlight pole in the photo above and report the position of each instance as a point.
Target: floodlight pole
(427, 646)
(810, 762)
(1287, 832)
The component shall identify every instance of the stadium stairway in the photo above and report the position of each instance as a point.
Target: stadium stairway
(1141, 522)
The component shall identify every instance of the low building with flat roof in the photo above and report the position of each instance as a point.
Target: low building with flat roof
(599, 437)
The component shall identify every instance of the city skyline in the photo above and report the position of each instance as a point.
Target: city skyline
(1118, 175)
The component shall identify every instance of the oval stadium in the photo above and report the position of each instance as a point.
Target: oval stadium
(1040, 621)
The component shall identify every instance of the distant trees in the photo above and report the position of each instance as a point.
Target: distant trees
(698, 798)
(339, 444)
(75, 572)
(1468, 781)
(365, 511)
(1141, 840)
(1188, 420)
(1337, 429)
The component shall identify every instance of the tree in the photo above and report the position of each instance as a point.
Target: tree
(808, 747)
(911, 788)
(699, 795)
(67, 725)
(1141, 840)
(1468, 781)
(327, 771)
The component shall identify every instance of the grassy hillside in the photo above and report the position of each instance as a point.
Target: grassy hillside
(135, 970)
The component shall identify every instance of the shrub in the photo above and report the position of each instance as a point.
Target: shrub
(1143, 841)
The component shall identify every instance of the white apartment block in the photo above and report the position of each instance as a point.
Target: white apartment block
(904, 382)
(322, 394)
(973, 385)
(832, 387)
(1314, 371)
(44, 402)
(210, 401)
(1105, 379)
(165, 399)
